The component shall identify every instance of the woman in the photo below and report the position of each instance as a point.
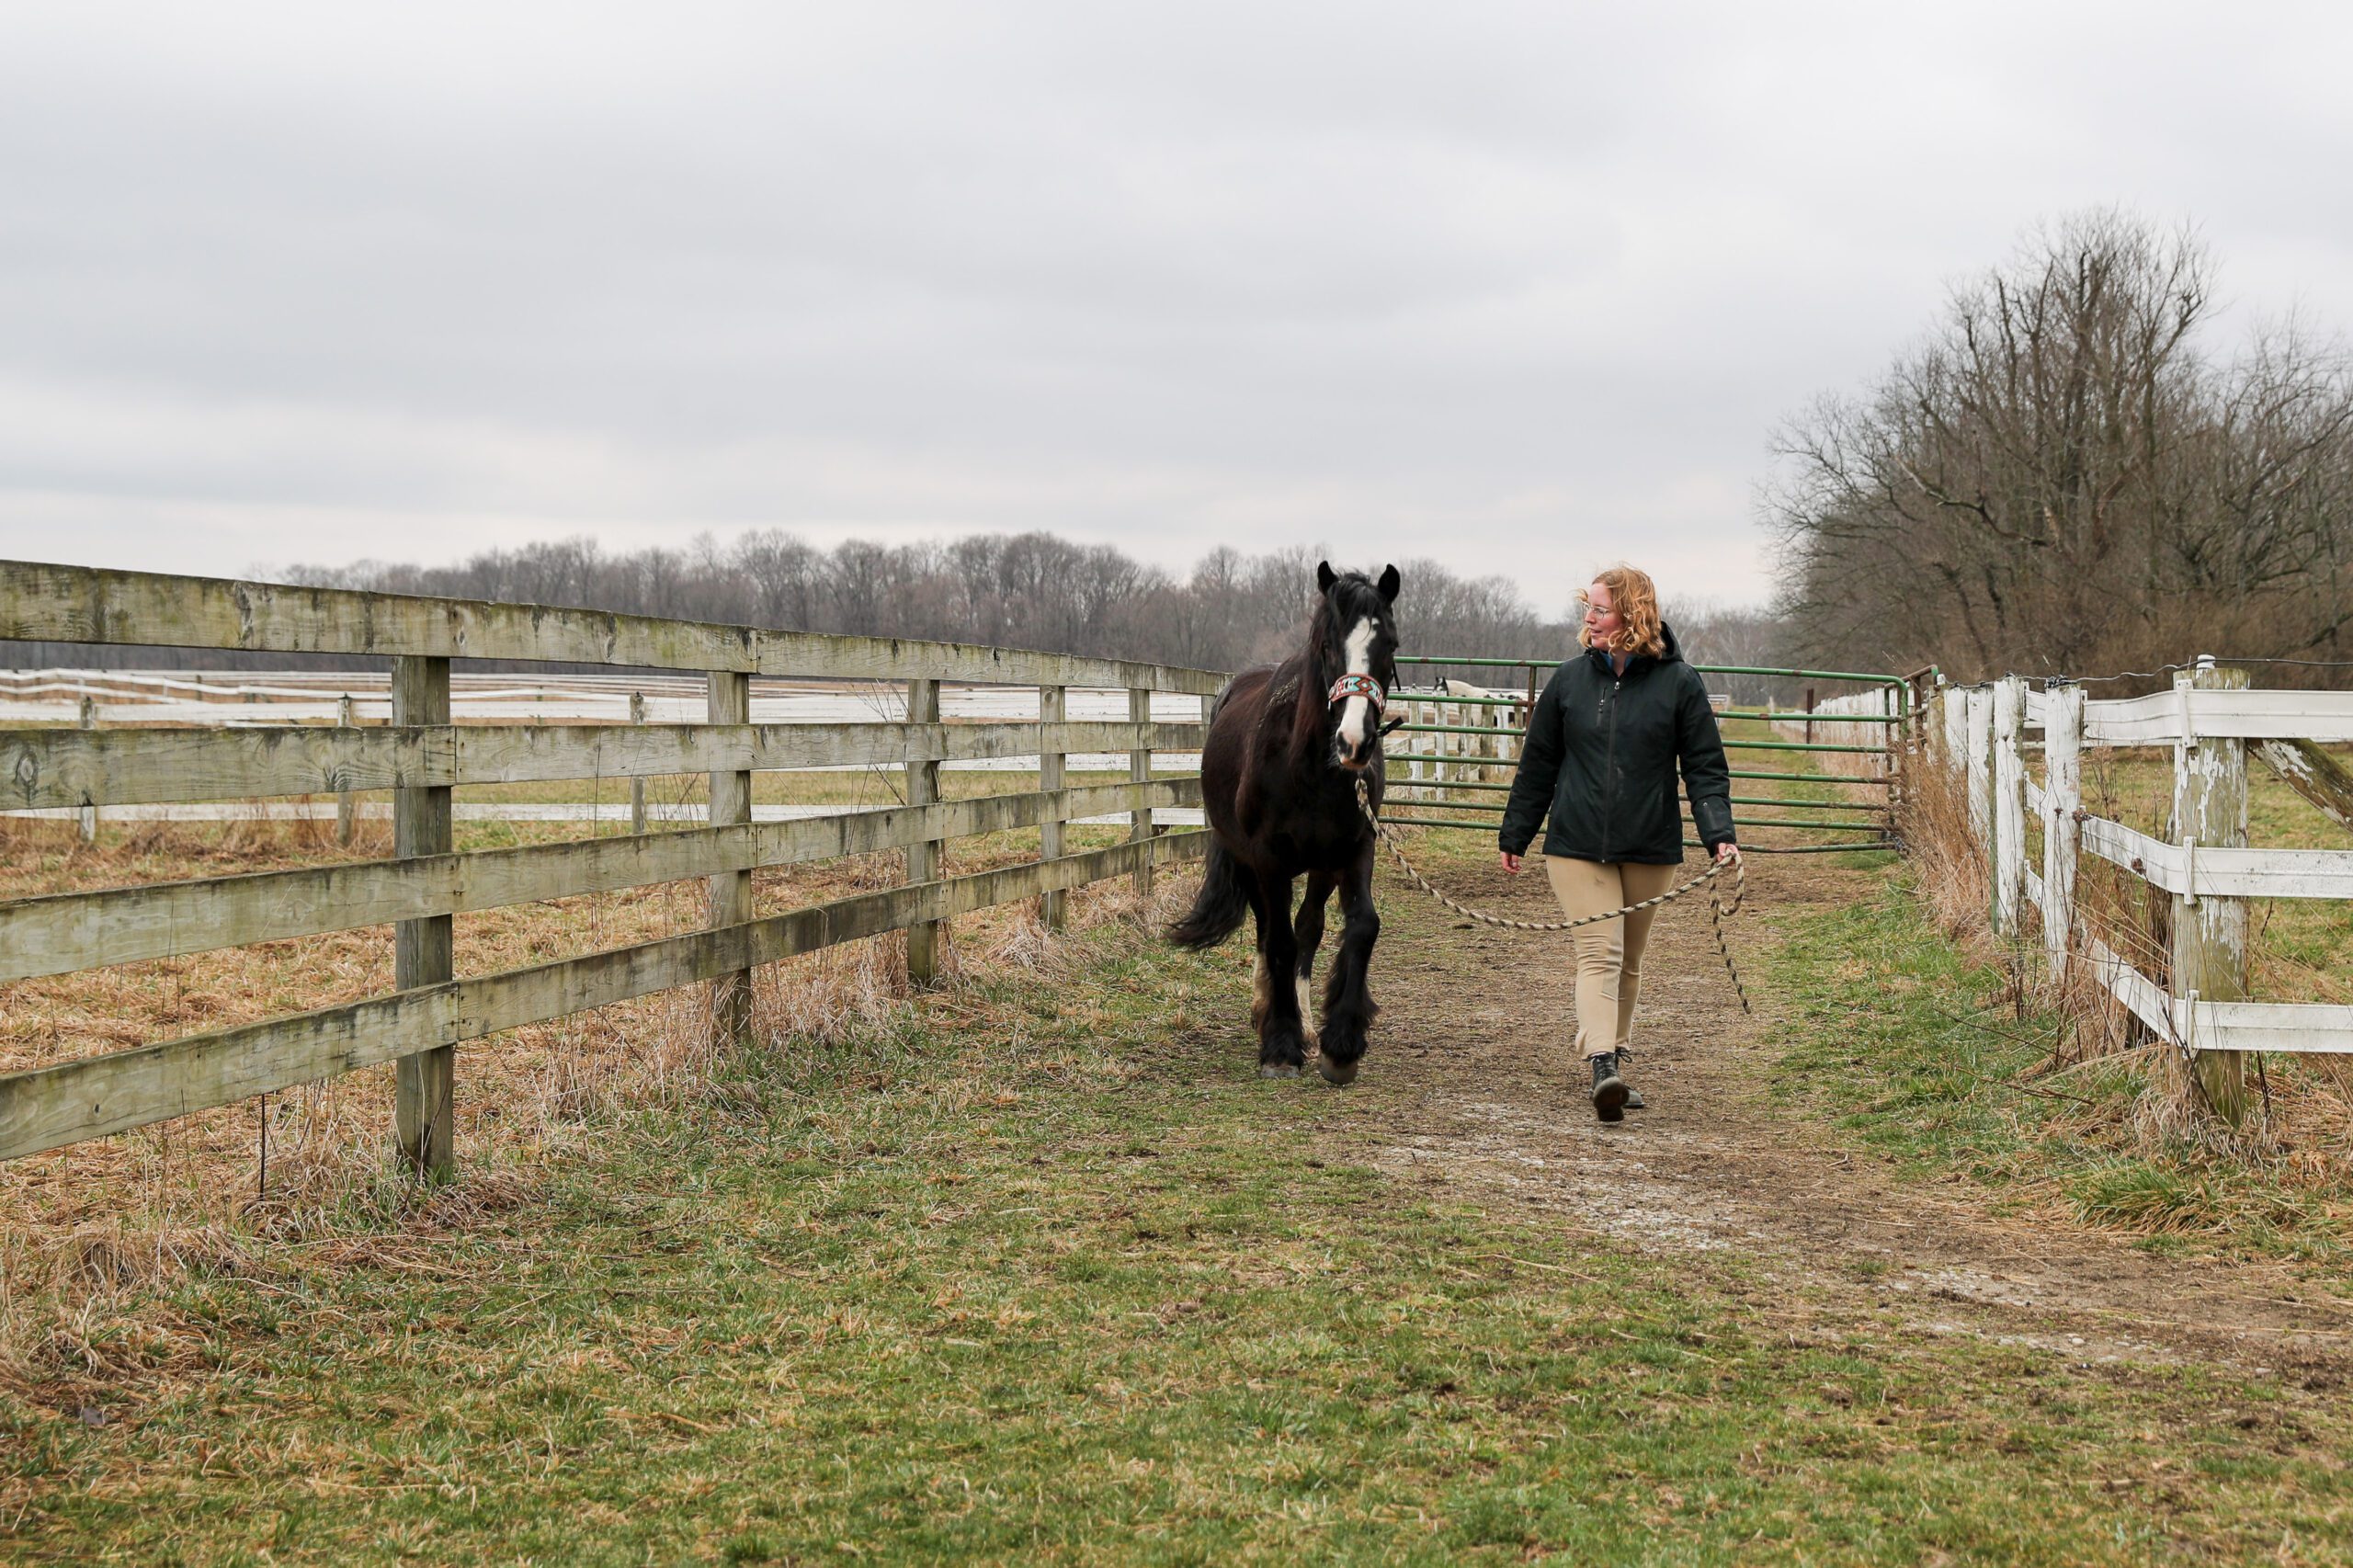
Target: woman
(1600, 756)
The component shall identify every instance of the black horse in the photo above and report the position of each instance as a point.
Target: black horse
(1286, 746)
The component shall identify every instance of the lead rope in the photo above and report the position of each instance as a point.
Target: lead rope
(1718, 909)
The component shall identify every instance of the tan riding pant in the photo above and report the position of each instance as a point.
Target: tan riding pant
(1610, 952)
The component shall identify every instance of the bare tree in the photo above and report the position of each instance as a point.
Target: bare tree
(784, 575)
(2058, 477)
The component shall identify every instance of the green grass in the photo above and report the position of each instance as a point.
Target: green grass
(2305, 946)
(1914, 1050)
(1042, 1272)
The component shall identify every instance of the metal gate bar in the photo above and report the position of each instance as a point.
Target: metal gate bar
(1478, 815)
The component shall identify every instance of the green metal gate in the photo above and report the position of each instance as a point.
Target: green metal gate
(1870, 815)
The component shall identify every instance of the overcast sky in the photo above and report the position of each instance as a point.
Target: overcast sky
(1523, 288)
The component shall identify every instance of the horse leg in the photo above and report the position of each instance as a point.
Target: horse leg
(1347, 998)
(1282, 1045)
(1308, 932)
(1261, 997)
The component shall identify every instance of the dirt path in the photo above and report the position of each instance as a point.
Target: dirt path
(1473, 1092)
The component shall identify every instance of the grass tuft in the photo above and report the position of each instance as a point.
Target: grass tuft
(1924, 1050)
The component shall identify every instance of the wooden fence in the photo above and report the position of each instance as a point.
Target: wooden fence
(2211, 720)
(422, 757)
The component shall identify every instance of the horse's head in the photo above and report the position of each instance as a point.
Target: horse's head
(1356, 652)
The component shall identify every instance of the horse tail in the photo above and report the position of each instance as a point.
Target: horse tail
(1218, 909)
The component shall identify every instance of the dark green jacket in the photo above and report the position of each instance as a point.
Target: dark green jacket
(1600, 756)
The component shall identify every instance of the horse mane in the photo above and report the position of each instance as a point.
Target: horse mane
(1355, 595)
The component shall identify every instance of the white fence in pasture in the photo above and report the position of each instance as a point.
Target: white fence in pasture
(1834, 721)
(236, 700)
(271, 697)
(1986, 734)
(1472, 739)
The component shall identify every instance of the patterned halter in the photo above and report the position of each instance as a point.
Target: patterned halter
(1359, 686)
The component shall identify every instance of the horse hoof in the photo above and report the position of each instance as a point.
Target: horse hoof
(1278, 1069)
(1341, 1073)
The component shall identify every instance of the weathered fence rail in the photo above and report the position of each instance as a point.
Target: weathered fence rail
(235, 699)
(423, 757)
(2207, 867)
(112, 768)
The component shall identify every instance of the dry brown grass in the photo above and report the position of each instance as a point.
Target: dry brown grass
(2307, 1104)
(1947, 859)
(84, 1227)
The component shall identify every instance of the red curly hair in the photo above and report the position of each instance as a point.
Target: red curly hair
(1635, 599)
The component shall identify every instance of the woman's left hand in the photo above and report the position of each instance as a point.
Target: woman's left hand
(1727, 853)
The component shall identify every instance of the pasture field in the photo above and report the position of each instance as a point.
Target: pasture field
(1032, 1267)
(122, 1198)
(1036, 1270)
(2302, 948)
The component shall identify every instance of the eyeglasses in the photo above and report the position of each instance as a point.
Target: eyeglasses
(1586, 607)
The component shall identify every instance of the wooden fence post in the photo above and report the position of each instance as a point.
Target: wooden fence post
(424, 952)
(2210, 945)
(1952, 712)
(1413, 769)
(89, 818)
(730, 703)
(2063, 797)
(2009, 805)
(347, 802)
(923, 857)
(1980, 753)
(1053, 706)
(1140, 771)
(637, 783)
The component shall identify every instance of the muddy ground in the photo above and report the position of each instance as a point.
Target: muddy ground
(1473, 1090)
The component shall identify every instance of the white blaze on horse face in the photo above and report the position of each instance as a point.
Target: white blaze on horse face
(1356, 719)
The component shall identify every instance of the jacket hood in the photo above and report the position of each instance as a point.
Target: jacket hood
(1670, 651)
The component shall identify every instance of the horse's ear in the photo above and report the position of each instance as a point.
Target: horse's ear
(1388, 582)
(1325, 576)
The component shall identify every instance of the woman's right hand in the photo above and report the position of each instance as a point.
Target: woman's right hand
(1511, 862)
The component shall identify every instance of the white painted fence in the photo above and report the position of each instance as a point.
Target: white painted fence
(110, 699)
(1829, 722)
(2209, 869)
(1463, 735)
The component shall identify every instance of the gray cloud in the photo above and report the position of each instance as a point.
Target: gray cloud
(1518, 287)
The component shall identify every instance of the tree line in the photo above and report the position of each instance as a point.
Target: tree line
(1029, 590)
(1025, 590)
(2067, 475)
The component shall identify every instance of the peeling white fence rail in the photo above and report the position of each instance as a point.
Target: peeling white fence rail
(2209, 718)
